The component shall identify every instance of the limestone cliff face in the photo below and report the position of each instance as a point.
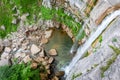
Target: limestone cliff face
(100, 64)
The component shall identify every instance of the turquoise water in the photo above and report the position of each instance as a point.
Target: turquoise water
(62, 43)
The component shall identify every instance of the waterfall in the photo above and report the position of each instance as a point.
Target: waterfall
(82, 49)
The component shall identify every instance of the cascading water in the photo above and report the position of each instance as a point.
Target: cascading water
(82, 49)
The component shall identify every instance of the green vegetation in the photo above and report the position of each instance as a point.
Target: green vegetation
(100, 39)
(19, 72)
(36, 11)
(86, 54)
(6, 18)
(76, 75)
(60, 16)
(95, 65)
(110, 61)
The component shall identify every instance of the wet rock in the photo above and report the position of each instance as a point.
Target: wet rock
(27, 59)
(55, 78)
(34, 49)
(59, 73)
(48, 33)
(70, 34)
(53, 52)
(34, 65)
(50, 60)
(44, 41)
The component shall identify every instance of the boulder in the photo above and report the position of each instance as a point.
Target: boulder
(42, 54)
(34, 49)
(48, 33)
(53, 52)
(27, 59)
(7, 49)
(44, 41)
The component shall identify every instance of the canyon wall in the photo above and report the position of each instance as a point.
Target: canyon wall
(102, 61)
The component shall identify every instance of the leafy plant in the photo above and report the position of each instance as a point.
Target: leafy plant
(6, 18)
(19, 72)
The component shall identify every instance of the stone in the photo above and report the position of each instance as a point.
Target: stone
(48, 71)
(48, 33)
(7, 49)
(14, 21)
(34, 49)
(4, 55)
(34, 65)
(64, 27)
(47, 67)
(44, 63)
(1, 48)
(7, 43)
(50, 60)
(27, 59)
(4, 62)
(70, 34)
(23, 17)
(55, 78)
(46, 58)
(42, 54)
(44, 41)
(39, 59)
(2, 27)
(19, 54)
(43, 76)
(59, 73)
(53, 52)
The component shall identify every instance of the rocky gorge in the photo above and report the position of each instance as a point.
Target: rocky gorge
(92, 53)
